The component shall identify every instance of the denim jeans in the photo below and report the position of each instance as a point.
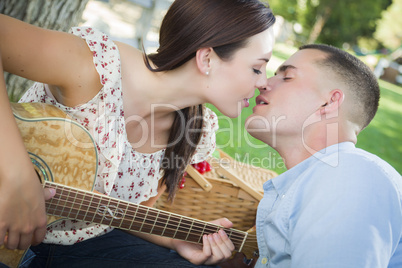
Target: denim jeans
(114, 249)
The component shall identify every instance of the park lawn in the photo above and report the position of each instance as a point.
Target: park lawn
(382, 137)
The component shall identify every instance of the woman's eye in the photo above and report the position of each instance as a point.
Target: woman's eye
(257, 71)
(287, 78)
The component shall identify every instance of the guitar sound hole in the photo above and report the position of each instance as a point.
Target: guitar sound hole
(39, 177)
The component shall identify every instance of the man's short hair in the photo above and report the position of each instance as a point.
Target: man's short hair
(357, 76)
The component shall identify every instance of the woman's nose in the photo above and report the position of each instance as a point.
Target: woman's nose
(267, 85)
(262, 83)
(270, 83)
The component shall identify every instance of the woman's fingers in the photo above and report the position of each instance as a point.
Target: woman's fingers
(207, 250)
(49, 193)
(218, 246)
(38, 236)
(227, 242)
(222, 246)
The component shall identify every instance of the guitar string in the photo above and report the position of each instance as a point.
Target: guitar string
(84, 193)
(193, 230)
(144, 224)
(148, 209)
(134, 213)
(249, 245)
(160, 213)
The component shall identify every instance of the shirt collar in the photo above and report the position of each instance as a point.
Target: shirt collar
(282, 182)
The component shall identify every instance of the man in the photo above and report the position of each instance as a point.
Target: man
(336, 206)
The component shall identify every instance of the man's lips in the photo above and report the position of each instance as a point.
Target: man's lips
(260, 100)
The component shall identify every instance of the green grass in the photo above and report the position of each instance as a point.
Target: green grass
(382, 137)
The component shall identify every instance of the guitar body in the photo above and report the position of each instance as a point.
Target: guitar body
(61, 150)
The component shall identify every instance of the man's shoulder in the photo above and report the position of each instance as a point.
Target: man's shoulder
(341, 157)
(366, 162)
(347, 164)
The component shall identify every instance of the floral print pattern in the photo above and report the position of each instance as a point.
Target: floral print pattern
(122, 172)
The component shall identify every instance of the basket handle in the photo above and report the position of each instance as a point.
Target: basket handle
(239, 182)
(204, 184)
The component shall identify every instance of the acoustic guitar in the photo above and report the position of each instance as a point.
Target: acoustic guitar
(65, 157)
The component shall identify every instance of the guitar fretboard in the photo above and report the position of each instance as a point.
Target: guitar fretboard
(87, 206)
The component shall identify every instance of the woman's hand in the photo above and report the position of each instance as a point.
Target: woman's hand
(22, 213)
(216, 247)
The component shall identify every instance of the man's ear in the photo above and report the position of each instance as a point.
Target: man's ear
(335, 100)
(203, 59)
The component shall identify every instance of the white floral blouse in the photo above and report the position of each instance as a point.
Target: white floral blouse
(122, 172)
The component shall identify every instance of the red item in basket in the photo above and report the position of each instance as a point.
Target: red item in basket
(183, 180)
(202, 167)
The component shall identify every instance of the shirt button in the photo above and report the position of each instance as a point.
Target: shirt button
(264, 260)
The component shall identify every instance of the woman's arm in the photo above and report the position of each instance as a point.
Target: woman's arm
(55, 58)
(22, 200)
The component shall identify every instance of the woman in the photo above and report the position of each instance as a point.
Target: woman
(140, 109)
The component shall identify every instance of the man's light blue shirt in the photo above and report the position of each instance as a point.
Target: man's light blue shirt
(340, 208)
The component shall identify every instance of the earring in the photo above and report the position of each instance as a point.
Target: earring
(207, 72)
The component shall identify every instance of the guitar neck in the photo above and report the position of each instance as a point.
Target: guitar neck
(87, 206)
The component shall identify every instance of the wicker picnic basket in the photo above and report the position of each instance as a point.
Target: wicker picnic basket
(231, 189)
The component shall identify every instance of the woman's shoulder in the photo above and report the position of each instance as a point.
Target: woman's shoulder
(127, 49)
(130, 56)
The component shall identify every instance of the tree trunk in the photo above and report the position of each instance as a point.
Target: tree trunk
(319, 24)
(57, 15)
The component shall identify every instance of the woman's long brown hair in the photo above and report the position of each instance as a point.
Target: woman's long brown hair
(224, 25)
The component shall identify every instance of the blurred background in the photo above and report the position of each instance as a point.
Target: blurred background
(370, 29)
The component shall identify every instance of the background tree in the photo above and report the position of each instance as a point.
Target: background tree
(389, 30)
(58, 15)
(332, 22)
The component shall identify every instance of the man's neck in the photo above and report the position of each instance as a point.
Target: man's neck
(295, 150)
